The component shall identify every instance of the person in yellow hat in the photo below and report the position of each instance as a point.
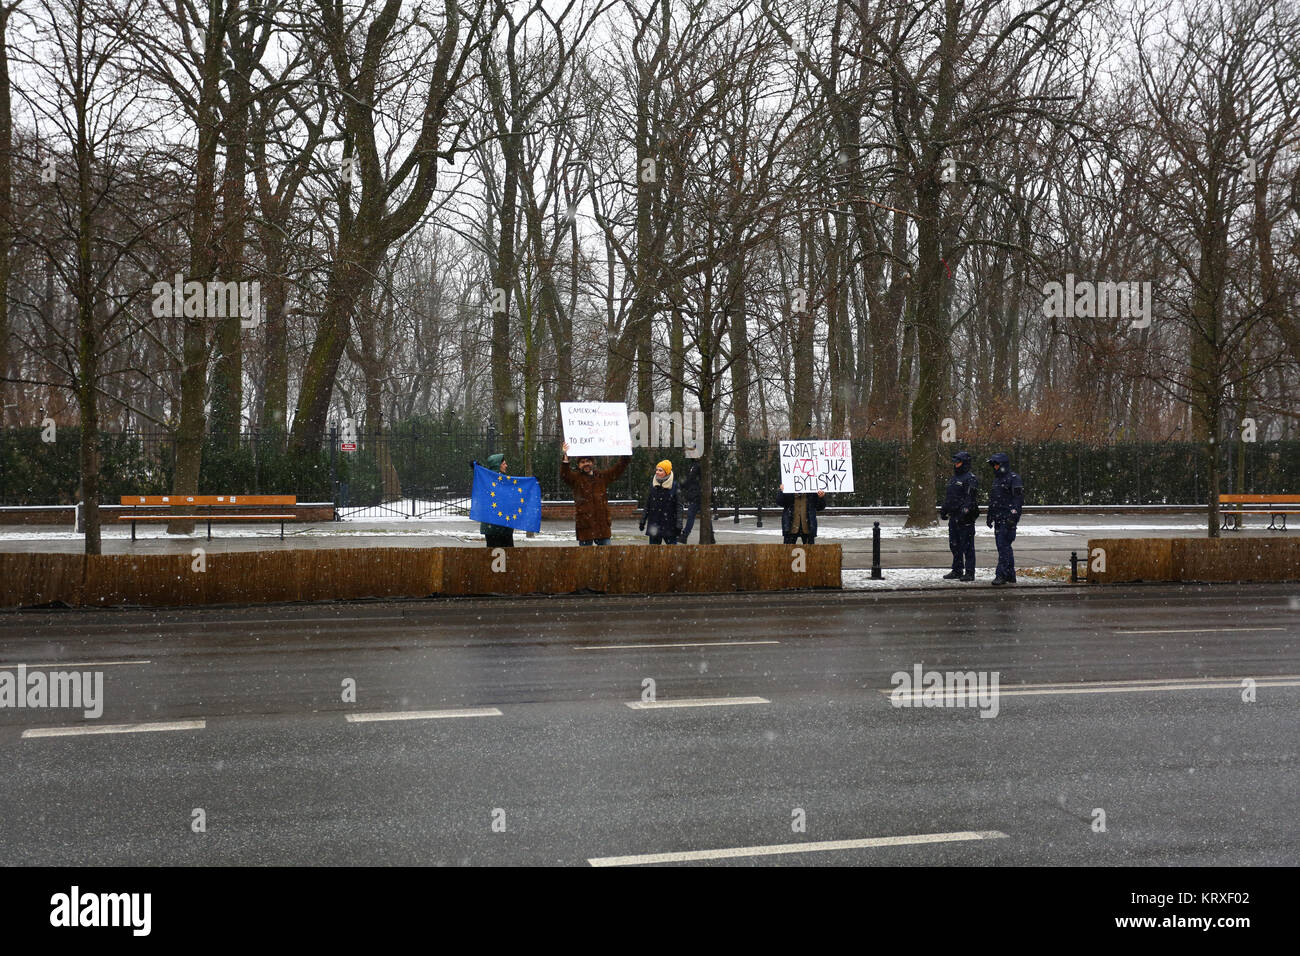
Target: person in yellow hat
(662, 518)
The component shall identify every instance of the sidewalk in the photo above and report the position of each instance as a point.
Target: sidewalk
(1043, 540)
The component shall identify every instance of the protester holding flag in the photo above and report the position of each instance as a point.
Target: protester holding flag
(590, 506)
(662, 518)
(502, 503)
(495, 535)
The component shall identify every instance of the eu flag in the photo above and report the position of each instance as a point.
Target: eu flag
(506, 500)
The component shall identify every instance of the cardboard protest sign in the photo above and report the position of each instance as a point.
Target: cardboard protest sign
(813, 465)
(596, 428)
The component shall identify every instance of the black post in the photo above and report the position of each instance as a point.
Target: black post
(334, 477)
(760, 511)
(735, 518)
(875, 551)
(1074, 567)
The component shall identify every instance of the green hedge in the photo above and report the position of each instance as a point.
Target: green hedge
(429, 463)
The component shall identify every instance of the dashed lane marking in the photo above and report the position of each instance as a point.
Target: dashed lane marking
(423, 714)
(84, 729)
(695, 702)
(622, 647)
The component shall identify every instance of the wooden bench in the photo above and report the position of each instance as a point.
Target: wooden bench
(1275, 506)
(193, 503)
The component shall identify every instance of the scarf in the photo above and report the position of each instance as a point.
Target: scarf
(666, 482)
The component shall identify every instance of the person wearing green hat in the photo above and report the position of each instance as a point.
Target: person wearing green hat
(497, 536)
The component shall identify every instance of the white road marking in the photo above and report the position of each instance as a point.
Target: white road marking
(620, 647)
(423, 714)
(1200, 630)
(783, 848)
(695, 702)
(58, 664)
(82, 729)
(1105, 687)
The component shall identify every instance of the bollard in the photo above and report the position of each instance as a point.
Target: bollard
(760, 513)
(1074, 567)
(735, 518)
(875, 552)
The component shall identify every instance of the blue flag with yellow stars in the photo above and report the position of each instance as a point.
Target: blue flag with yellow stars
(506, 500)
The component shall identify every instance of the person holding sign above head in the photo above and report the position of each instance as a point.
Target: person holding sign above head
(799, 514)
(590, 505)
(662, 518)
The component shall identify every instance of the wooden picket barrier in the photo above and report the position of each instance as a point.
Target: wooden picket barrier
(257, 577)
(1195, 559)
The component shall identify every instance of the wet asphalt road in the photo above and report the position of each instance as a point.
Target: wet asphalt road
(1185, 771)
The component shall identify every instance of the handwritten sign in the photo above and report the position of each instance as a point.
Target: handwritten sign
(814, 465)
(596, 428)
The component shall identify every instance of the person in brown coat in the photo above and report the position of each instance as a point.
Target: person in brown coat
(590, 506)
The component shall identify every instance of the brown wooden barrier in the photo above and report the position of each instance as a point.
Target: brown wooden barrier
(255, 577)
(1196, 559)
(27, 579)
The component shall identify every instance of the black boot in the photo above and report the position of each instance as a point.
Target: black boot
(999, 581)
(952, 576)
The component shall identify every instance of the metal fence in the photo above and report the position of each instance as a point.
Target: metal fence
(414, 471)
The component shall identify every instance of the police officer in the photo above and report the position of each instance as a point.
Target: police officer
(1006, 502)
(961, 508)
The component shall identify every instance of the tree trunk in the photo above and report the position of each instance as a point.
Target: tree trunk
(738, 330)
(275, 397)
(931, 343)
(228, 369)
(194, 350)
(6, 212)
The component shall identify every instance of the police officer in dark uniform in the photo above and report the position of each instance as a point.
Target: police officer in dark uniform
(1006, 503)
(961, 508)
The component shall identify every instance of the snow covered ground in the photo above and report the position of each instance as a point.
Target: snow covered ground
(907, 578)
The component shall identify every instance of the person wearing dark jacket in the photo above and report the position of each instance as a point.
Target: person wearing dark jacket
(1006, 504)
(663, 508)
(590, 506)
(689, 492)
(799, 515)
(961, 507)
(497, 536)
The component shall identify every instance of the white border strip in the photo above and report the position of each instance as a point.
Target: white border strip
(783, 848)
(56, 665)
(1200, 630)
(1117, 687)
